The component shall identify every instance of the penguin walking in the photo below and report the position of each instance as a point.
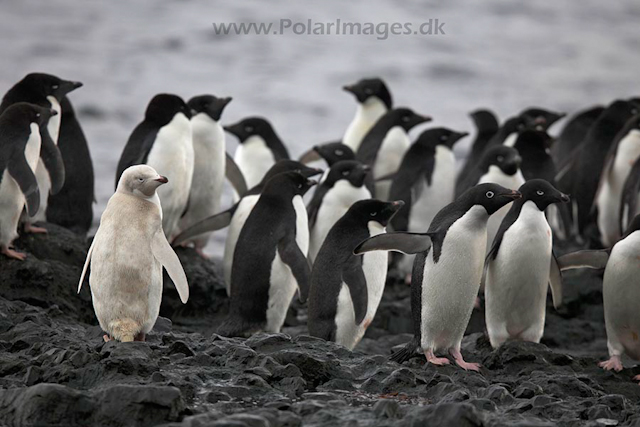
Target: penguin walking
(236, 216)
(20, 148)
(520, 267)
(374, 101)
(127, 255)
(486, 123)
(620, 292)
(346, 289)
(163, 141)
(209, 163)
(384, 146)
(270, 262)
(344, 185)
(624, 152)
(447, 271)
(260, 148)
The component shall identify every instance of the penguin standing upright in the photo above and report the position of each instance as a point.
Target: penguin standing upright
(270, 261)
(346, 289)
(374, 100)
(487, 125)
(260, 148)
(573, 134)
(446, 277)
(209, 162)
(163, 141)
(384, 146)
(520, 267)
(72, 207)
(20, 150)
(343, 186)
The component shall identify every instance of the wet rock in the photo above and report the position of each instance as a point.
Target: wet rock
(446, 414)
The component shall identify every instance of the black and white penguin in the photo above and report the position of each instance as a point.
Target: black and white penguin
(520, 267)
(270, 262)
(573, 134)
(446, 277)
(344, 185)
(330, 152)
(542, 119)
(384, 146)
(72, 206)
(163, 141)
(260, 148)
(620, 293)
(590, 160)
(486, 123)
(624, 152)
(210, 158)
(236, 216)
(346, 289)
(20, 151)
(508, 132)
(374, 100)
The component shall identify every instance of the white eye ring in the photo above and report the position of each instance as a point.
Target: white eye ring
(37, 114)
(345, 173)
(368, 91)
(141, 179)
(248, 128)
(539, 192)
(299, 185)
(54, 87)
(373, 213)
(490, 194)
(339, 152)
(500, 158)
(406, 119)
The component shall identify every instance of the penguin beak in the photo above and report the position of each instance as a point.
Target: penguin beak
(513, 195)
(311, 182)
(457, 137)
(226, 100)
(397, 205)
(423, 119)
(68, 86)
(349, 88)
(563, 198)
(310, 156)
(162, 179)
(233, 130)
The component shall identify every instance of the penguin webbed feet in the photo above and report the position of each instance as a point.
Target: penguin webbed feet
(32, 229)
(12, 254)
(613, 363)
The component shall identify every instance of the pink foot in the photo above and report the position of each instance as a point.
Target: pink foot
(30, 228)
(106, 338)
(467, 366)
(200, 252)
(12, 254)
(636, 378)
(438, 361)
(613, 363)
(476, 304)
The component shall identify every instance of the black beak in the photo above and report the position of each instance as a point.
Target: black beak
(311, 182)
(512, 195)
(53, 112)
(349, 88)
(162, 179)
(423, 119)
(564, 198)
(233, 129)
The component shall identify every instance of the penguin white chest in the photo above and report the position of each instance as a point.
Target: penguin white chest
(394, 146)
(511, 139)
(367, 114)
(254, 158)
(42, 176)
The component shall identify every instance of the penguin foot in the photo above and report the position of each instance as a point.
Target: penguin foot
(467, 366)
(477, 305)
(140, 337)
(613, 363)
(5, 250)
(200, 252)
(636, 378)
(106, 338)
(438, 361)
(30, 228)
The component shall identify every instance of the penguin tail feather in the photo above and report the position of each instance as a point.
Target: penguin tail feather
(124, 329)
(407, 352)
(237, 327)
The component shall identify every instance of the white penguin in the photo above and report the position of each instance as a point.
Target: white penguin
(374, 100)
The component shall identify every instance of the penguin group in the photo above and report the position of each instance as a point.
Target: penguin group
(458, 226)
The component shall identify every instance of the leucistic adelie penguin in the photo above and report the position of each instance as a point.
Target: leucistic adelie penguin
(346, 289)
(127, 255)
(520, 267)
(447, 271)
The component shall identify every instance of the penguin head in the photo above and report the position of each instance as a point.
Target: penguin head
(164, 107)
(334, 152)
(366, 89)
(620, 110)
(208, 104)
(406, 118)
(249, 127)
(491, 196)
(541, 193)
(485, 121)
(44, 85)
(535, 140)
(506, 158)
(540, 118)
(283, 166)
(30, 113)
(141, 181)
(376, 210)
(352, 171)
(440, 136)
(291, 182)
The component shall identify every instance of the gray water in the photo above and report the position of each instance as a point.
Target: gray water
(497, 54)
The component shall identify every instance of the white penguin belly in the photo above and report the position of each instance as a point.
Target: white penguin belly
(172, 155)
(517, 280)
(238, 220)
(610, 194)
(42, 176)
(254, 158)
(367, 114)
(12, 199)
(511, 139)
(394, 146)
(450, 286)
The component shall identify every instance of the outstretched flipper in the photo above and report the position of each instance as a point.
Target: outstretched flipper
(291, 255)
(353, 276)
(555, 281)
(596, 260)
(407, 243)
(52, 159)
(86, 263)
(21, 172)
(215, 222)
(163, 252)
(235, 176)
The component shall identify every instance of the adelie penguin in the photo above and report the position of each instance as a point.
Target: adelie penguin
(236, 216)
(509, 130)
(163, 141)
(270, 262)
(330, 152)
(260, 148)
(374, 100)
(620, 291)
(343, 186)
(542, 119)
(573, 134)
(20, 149)
(520, 267)
(346, 289)
(486, 123)
(46, 91)
(384, 146)
(447, 271)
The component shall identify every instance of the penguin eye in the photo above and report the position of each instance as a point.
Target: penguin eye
(489, 194)
(406, 119)
(54, 87)
(444, 138)
(339, 152)
(500, 158)
(539, 192)
(345, 173)
(298, 170)
(373, 213)
(299, 185)
(248, 129)
(37, 114)
(141, 179)
(368, 91)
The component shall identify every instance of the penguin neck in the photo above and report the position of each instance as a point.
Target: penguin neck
(207, 132)
(370, 110)
(155, 199)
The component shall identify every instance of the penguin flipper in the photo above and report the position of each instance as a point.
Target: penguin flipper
(86, 262)
(52, 159)
(215, 222)
(596, 260)
(163, 252)
(353, 276)
(555, 281)
(20, 171)
(405, 242)
(291, 255)
(235, 176)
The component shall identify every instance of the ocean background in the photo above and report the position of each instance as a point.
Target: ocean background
(500, 55)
